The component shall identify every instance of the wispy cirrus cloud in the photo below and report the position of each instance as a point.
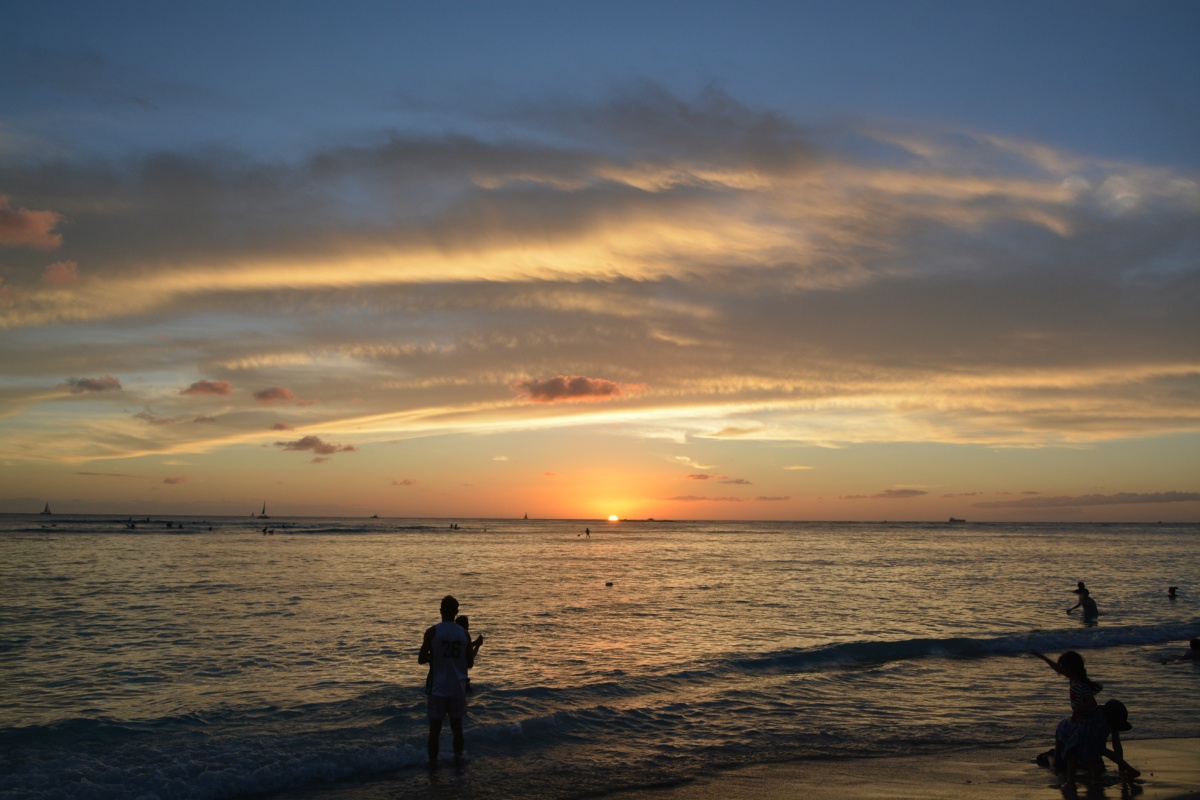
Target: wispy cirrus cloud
(732, 274)
(888, 494)
(692, 498)
(719, 479)
(1092, 500)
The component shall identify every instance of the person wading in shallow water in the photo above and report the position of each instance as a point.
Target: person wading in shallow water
(447, 649)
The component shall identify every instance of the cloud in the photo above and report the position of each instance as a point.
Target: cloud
(899, 494)
(109, 475)
(1088, 500)
(320, 460)
(691, 498)
(25, 228)
(283, 426)
(888, 494)
(688, 462)
(150, 417)
(549, 475)
(570, 389)
(499, 458)
(107, 383)
(61, 273)
(796, 467)
(404, 482)
(825, 287)
(175, 480)
(275, 394)
(205, 418)
(209, 387)
(734, 432)
(719, 479)
(772, 499)
(316, 445)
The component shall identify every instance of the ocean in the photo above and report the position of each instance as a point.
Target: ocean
(203, 659)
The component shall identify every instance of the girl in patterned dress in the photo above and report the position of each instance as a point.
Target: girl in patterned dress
(1080, 739)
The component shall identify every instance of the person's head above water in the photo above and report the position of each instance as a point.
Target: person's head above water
(449, 607)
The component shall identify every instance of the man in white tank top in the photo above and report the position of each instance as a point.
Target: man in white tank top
(447, 650)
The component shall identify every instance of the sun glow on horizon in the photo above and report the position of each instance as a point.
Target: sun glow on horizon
(613, 518)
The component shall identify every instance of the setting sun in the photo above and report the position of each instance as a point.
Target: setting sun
(612, 517)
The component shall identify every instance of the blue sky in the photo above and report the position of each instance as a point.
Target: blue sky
(765, 260)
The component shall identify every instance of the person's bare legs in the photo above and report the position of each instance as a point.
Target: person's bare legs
(435, 731)
(456, 728)
(1068, 785)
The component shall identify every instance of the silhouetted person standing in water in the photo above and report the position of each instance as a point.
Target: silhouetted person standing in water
(447, 649)
(1090, 611)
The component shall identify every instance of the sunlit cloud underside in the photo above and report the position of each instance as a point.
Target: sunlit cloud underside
(723, 273)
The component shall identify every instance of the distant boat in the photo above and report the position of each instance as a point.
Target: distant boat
(263, 514)
(526, 516)
(46, 510)
(956, 520)
(374, 516)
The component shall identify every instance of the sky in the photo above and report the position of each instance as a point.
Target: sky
(681, 260)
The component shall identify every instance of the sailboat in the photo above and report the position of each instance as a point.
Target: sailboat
(526, 516)
(263, 514)
(46, 510)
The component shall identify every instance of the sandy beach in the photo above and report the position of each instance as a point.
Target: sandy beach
(1170, 771)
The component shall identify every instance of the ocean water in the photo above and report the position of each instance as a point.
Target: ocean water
(207, 660)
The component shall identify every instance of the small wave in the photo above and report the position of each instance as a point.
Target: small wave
(879, 652)
(161, 759)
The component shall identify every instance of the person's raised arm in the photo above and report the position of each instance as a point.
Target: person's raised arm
(1053, 664)
(426, 648)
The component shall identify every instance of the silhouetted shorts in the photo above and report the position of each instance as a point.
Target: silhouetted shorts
(441, 707)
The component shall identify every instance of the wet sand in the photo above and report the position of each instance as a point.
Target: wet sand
(1170, 771)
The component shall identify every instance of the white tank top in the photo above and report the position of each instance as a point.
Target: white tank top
(448, 660)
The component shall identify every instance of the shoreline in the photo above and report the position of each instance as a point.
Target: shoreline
(1170, 771)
